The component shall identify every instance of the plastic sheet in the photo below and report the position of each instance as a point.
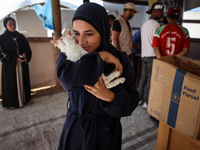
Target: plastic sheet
(45, 14)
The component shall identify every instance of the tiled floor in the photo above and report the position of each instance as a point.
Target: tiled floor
(38, 126)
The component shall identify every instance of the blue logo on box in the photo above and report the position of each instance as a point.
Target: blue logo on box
(175, 97)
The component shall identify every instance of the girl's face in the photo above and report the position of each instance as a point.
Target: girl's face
(86, 35)
(11, 25)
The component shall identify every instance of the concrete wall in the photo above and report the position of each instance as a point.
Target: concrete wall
(42, 65)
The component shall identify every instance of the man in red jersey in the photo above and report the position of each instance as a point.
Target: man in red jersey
(171, 39)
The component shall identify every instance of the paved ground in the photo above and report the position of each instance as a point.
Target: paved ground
(38, 126)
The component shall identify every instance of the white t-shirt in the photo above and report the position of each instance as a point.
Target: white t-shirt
(147, 31)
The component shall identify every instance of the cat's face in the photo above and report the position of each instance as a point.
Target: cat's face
(55, 42)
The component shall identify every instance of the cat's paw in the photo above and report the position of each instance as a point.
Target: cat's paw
(112, 79)
(115, 82)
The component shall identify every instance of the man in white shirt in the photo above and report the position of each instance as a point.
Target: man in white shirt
(147, 31)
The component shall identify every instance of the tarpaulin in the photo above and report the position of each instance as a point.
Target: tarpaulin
(45, 14)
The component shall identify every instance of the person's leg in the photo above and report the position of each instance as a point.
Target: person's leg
(149, 70)
(143, 80)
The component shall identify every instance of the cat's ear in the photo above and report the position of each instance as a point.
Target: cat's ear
(55, 42)
(68, 32)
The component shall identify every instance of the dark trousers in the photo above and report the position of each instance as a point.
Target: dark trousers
(144, 84)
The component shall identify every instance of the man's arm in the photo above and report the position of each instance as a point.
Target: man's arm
(158, 53)
(115, 39)
(136, 46)
(184, 52)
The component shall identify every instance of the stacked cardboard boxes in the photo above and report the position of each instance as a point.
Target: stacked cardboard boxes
(174, 96)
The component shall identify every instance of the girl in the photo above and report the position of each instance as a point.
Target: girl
(93, 117)
(15, 55)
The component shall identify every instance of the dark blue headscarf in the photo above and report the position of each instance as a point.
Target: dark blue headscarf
(97, 16)
(5, 21)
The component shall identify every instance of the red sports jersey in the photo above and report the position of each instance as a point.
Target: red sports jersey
(171, 39)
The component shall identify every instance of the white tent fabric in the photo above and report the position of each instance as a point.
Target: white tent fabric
(9, 6)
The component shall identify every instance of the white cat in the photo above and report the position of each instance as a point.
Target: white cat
(74, 52)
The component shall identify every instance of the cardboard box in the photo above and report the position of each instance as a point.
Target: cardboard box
(174, 96)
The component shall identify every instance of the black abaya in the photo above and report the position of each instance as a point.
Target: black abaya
(9, 57)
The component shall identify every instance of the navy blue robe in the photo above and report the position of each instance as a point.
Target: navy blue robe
(98, 126)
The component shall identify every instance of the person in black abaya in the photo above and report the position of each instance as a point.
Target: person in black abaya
(15, 53)
(93, 117)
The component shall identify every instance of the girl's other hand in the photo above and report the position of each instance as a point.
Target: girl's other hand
(100, 91)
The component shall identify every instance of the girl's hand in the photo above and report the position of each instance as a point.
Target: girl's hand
(100, 91)
(109, 58)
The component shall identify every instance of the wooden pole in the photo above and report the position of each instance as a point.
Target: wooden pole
(56, 18)
(57, 23)
(57, 28)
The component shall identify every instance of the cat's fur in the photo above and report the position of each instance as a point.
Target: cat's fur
(74, 52)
